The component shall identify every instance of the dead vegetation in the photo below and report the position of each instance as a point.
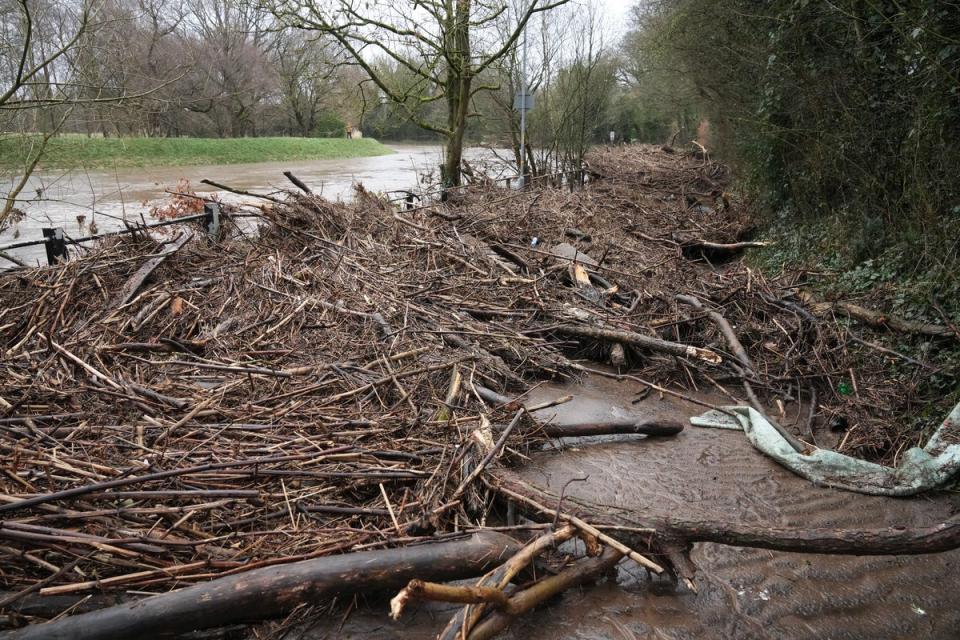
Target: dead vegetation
(344, 381)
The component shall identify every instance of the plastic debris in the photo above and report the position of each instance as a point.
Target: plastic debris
(920, 469)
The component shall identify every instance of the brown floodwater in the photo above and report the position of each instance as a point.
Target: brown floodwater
(742, 593)
(126, 194)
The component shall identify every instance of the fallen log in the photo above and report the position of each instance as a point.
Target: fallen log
(650, 428)
(662, 534)
(274, 591)
(625, 427)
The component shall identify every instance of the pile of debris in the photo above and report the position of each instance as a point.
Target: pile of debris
(350, 379)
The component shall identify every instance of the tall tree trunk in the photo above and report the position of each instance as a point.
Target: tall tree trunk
(459, 82)
(458, 118)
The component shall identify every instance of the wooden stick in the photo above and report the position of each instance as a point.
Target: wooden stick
(500, 577)
(581, 525)
(524, 601)
(637, 340)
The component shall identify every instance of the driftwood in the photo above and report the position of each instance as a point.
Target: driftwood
(138, 278)
(663, 534)
(497, 580)
(273, 591)
(298, 182)
(638, 427)
(506, 607)
(879, 320)
(240, 192)
(293, 402)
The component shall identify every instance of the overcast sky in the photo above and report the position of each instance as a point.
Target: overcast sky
(618, 12)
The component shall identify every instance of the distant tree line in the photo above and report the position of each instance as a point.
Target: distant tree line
(430, 70)
(216, 68)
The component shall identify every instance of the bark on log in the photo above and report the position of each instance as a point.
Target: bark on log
(273, 591)
(138, 278)
(878, 320)
(671, 532)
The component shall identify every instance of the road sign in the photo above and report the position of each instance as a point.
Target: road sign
(523, 101)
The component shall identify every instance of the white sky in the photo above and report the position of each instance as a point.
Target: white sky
(617, 15)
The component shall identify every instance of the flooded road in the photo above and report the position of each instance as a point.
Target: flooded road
(743, 593)
(108, 197)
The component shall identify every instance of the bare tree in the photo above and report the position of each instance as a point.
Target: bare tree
(307, 68)
(446, 45)
(573, 78)
(235, 39)
(39, 48)
(54, 64)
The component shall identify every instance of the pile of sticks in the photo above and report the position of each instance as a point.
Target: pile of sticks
(179, 410)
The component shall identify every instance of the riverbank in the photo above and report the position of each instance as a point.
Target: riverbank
(74, 151)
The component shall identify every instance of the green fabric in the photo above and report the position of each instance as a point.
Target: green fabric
(919, 470)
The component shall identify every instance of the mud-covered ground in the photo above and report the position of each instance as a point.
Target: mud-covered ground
(714, 475)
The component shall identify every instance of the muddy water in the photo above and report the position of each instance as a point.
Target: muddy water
(743, 593)
(121, 194)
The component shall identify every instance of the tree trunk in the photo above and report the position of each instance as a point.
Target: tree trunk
(459, 82)
(274, 591)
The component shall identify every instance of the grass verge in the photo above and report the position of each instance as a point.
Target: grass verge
(77, 151)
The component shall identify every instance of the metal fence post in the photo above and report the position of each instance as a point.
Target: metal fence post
(55, 243)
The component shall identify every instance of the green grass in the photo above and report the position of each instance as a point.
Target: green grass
(77, 151)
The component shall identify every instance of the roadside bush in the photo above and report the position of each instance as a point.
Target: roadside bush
(844, 114)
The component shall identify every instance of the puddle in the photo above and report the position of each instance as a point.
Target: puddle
(743, 593)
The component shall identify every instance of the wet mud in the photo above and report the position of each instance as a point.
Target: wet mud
(742, 593)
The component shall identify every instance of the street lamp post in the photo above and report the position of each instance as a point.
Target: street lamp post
(523, 109)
